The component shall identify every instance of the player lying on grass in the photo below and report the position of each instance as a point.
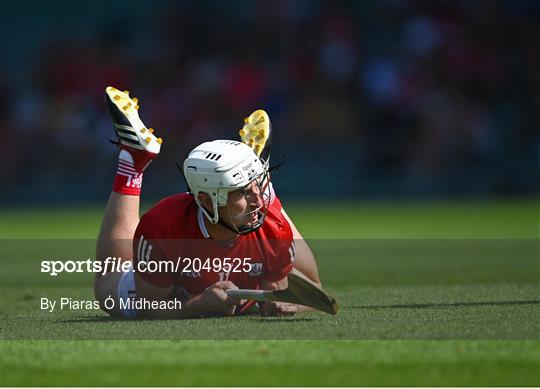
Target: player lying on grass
(232, 212)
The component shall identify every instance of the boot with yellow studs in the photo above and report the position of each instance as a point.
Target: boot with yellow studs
(256, 133)
(138, 144)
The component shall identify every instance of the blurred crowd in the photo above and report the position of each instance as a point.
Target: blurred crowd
(373, 98)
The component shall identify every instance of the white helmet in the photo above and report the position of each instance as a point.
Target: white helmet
(222, 166)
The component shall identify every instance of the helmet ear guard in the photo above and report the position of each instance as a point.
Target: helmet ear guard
(216, 199)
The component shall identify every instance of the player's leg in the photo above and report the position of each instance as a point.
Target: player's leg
(138, 146)
(118, 226)
(115, 240)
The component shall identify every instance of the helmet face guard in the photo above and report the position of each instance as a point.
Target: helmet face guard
(254, 217)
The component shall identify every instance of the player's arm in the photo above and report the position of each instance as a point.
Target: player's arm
(212, 302)
(159, 285)
(275, 278)
(304, 260)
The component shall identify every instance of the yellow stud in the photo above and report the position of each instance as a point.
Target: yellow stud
(246, 120)
(129, 104)
(250, 142)
(135, 100)
(242, 132)
(261, 120)
(151, 130)
(137, 107)
(116, 97)
(143, 130)
(126, 92)
(148, 139)
(257, 148)
(159, 140)
(261, 132)
(125, 107)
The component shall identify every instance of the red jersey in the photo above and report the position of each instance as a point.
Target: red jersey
(173, 231)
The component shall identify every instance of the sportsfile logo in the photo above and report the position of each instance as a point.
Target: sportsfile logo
(110, 264)
(190, 267)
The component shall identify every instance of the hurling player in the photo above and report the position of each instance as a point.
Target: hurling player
(230, 212)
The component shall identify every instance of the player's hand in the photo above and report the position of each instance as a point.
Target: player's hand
(276, 308)
(215, 301)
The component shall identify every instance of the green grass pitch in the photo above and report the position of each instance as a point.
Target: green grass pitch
(431, 294)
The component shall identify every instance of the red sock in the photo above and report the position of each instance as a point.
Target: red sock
(129, 174)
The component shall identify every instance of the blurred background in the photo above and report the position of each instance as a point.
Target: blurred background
(370, 99)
